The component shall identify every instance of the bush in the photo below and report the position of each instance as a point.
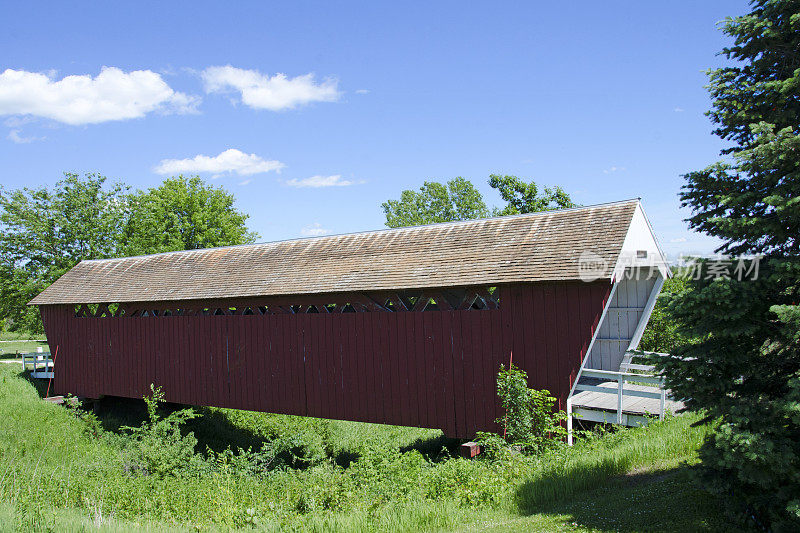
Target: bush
(157, 447)
(531, 423)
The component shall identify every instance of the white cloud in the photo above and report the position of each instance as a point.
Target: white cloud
(14, 136)
(321, 181)
(613, 169)
(276, 93)
(678, 110)
(111, 95)
(229, 161)
(16, 122)
(677, 240)
(362, 91)
(314, 230)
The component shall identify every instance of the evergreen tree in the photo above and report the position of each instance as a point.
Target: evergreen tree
(742, 366)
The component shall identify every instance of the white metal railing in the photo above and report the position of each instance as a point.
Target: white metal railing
(41, 364)
(624, 375)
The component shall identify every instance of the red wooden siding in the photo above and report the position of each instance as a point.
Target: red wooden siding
(430, 369)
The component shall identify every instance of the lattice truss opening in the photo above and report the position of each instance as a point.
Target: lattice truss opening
(450, 299)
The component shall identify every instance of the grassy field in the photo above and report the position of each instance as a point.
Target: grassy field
(12, 343)
(62, 469)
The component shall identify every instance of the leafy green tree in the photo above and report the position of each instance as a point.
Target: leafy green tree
(458, 199)
(44, 233)
(183, 214)
(523, 197)
(743, 366)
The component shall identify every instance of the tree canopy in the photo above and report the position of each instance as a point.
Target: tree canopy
(44, 232)
(742, 364)
(458, 199)
(183, 214)
(523, 197)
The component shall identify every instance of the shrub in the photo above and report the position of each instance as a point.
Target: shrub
(158, 447)
(531, 422)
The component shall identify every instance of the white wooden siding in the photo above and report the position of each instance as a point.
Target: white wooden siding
(618, 327)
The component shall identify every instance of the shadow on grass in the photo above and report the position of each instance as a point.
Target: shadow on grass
(664, 500)
(432, 447)
(212, 428)
(39, 384)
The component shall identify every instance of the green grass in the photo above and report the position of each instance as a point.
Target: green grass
(60, 471)
(19, 342)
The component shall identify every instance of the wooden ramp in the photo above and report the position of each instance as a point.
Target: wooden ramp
(40, 364)
(597, 406)
(629, 397)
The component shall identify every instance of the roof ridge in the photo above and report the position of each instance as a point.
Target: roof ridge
(380, 230)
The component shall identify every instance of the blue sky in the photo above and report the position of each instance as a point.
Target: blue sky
(605, 99)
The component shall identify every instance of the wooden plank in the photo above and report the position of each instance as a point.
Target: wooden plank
(471, 420)
(342, 404)
(357, 357)
(164, 347)
(540, 333)
(301, 366)
(194, 361)
(448, 372)
(411, 345)
(430, 367)
(205, 361)
(530, 356)
(567, 333)
(174, 353)
(277, 353)
(482, 395)
(283, 369)
(377, 353)
(497, 333)
(163, 376)
(363, 367)
(217, 343)
(395, 398)
(488, 368)
(235, 324)
(250, 357)
(439, 413)
(459, 397)
(402, 360)
(313, 358)
(270, 343)
(552, 338)
(374, 320)
(326, 363)
(350, 364)
(421, 369)
(231, 391)
(330, 376)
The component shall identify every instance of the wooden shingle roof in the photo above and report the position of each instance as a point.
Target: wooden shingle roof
(523, 248)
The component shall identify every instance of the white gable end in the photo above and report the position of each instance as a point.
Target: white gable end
(640, 248)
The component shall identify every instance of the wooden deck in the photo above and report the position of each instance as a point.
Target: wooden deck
(602, 407)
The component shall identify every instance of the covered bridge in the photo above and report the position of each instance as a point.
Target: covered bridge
(404, 326)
